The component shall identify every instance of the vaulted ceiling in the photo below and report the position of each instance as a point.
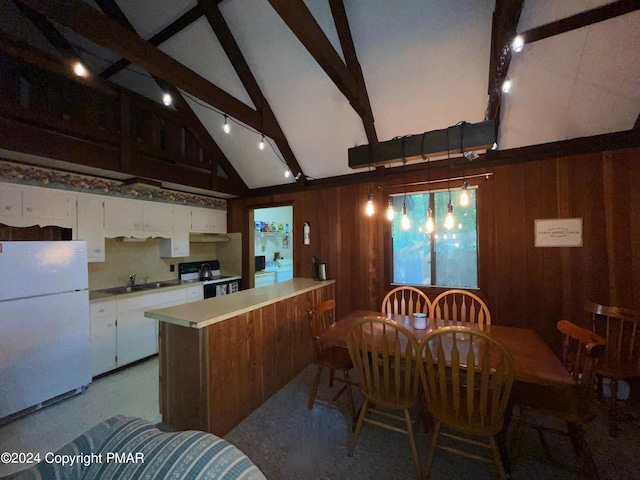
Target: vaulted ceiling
(318, 77)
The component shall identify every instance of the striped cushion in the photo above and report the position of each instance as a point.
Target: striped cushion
(84, 444)
(135, 448)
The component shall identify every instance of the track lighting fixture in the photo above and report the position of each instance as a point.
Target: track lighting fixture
(463, 199)
(298, 175)
(390, 211)
(166, 99)
(517, 44)
(79, 69)
(226, 127)
(261, 144)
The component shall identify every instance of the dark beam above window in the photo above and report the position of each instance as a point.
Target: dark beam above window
(459, 138)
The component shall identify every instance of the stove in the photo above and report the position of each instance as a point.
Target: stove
(216, 286)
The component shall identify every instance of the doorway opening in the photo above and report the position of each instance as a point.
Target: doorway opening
(273, 244)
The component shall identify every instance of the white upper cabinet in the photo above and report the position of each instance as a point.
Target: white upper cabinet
(208, 220)
(25, 206)
(157, 219)
(10, 202)
(122, 217)
(178, 244)
(91, 225)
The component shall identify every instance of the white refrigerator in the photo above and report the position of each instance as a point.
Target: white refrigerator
(45, 336)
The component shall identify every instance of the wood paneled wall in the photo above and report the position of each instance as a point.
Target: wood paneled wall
(522, 285)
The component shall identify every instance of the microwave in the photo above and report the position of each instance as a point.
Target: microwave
(260, 262)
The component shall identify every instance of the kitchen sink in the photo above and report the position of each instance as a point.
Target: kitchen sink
(140, 287)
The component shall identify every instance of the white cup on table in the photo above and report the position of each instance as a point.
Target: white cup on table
(420, 321)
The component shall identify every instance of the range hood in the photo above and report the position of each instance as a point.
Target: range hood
(208, 237)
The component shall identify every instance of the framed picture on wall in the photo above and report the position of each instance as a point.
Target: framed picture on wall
(558, 232)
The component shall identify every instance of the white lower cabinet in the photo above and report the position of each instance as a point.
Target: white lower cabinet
(103, 337)
(121, 334)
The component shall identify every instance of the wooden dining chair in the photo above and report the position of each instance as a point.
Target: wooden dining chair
(321, 316)
(462, 306)
(467, 378)
(385, 357)
(581, 351)
(619, 326)
(405, 301)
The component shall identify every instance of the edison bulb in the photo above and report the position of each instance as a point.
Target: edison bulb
(226, 128)
(166, 99)
(261, 144)
(464, 197)
(390, 211)
(430, 223)
(449, 221)
(405, 223)
(369, 210)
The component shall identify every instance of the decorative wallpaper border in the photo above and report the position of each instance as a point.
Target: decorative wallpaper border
(44, 177)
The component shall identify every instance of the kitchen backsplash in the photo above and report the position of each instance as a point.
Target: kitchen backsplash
(141, 259)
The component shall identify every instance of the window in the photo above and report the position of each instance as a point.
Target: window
(444, 258)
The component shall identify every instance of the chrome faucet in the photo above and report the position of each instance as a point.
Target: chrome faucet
(132, 280)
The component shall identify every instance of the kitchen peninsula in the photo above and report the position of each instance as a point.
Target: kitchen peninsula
(222, 357)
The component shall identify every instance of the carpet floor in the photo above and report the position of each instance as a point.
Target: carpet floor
(287, 441)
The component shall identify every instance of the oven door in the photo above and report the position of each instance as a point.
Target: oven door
(215, 289)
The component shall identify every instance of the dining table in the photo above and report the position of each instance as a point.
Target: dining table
(536, 366)
(535, 362)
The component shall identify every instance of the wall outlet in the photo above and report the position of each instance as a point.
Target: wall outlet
(172, 268)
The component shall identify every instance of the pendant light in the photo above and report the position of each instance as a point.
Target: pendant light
(449, 221)
(463, 199)
(261, 144)
(390, 211)
(369, 209)
(405, 223)
(226, 127)
(431, 224)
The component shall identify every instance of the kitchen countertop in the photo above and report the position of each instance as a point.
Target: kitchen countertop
(206, 312)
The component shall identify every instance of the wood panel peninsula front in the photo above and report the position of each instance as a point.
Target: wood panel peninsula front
(222, 357)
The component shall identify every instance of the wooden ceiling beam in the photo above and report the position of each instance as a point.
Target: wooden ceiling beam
(110, 8)
(300, 21)
(503, 29)
(100, 29)
(30, 55)
(582, 19)
(162, 36)
(225, 37)
(351, 59)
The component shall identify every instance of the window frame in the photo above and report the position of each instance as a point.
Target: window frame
(432, 244)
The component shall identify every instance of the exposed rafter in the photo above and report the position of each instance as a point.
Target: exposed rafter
(582, 19)
(100, 29)
(351, 58)
(110, 8)
(231, 48)
(50, 63)
(299, 19)
(162, 36)
(504, 27)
